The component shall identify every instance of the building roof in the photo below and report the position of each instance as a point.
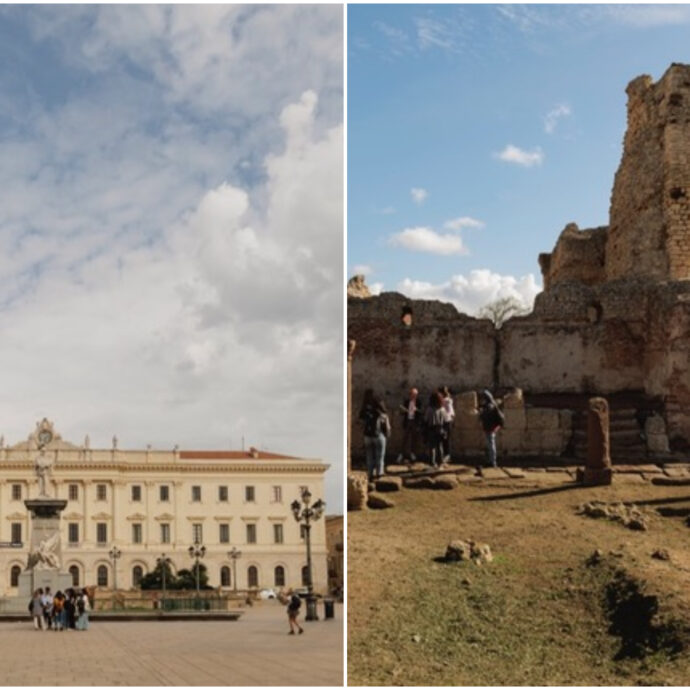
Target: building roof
(251, 454)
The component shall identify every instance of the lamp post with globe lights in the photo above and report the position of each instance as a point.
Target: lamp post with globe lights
(197, 551)
(305, 513)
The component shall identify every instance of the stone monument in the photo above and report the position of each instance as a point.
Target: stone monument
(598, 468)
(44, 566)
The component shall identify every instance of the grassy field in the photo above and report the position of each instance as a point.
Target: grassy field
(538, 614)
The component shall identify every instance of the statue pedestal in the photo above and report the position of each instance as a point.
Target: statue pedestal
(45, 559)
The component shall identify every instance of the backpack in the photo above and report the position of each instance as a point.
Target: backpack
(295, 603)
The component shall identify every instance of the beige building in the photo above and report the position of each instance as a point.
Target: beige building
(336, 550)
(150, 502)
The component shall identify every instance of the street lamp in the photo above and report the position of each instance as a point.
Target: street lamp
(196, 552)
(234, 553)
(114, 554)
(163, 563)
(305, 514)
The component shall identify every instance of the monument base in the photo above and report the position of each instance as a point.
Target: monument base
(590, 477)
(31, 580)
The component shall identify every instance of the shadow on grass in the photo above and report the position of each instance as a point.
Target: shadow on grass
(662, 501)
(534, 492)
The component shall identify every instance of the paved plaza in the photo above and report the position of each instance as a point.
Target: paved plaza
(255, 650)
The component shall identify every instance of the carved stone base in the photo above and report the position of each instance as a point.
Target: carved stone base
(31, 580)
(591, 477)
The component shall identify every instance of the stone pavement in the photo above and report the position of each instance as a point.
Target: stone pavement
(255, 650)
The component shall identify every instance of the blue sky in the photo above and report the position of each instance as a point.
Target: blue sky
(477, 132)
(171, 226)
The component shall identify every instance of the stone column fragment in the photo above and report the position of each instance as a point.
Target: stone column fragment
(598, 468)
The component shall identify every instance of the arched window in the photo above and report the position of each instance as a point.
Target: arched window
(225, 576)
(305, 576)
(252, 576)
(279, 576)
(137, 574)
(102, 576)
(14, 576)
(74, 572)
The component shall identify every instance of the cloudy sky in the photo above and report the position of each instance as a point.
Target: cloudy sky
(477, 132)
(171, 226)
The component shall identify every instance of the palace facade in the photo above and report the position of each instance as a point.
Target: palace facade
(150, 503)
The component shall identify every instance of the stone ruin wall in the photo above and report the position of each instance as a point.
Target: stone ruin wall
(614, 315)
(650, 210)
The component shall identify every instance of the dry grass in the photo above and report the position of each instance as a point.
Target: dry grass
(535, 616)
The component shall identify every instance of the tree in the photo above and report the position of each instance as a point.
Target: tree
(186, 578)
(154, 579)
(500, 310)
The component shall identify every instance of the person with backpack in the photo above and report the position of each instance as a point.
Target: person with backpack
(376, 430)
(492, 420)
(47, 601)
(293, 608)
(83, 608)
(36, 608)
(59, 611)
(434, 420)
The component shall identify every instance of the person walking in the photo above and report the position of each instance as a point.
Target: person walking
(37, 610)
(293, 608)
(492, 420)
(70, 602)
(412, 414)
(434, 420)
(449, 413)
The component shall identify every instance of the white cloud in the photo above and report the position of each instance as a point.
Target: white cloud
(423, 239)
(554, 115)
(387, 211)
(649, 15)
(361, 270)
(376, 288)
(418, 195)
(470, 293)
(156, 288)
(463, 222)
(513, 154)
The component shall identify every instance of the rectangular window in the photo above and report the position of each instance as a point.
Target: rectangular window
(223, 494)
(165, 533)
(16, 532)
(136, 492)
(251, 533)
(73, 532)
(101, 492)
(16, 492)
(164, 493)
(73, 492)
(277, 494)
(224, 533)
(196, 493)
(277, 534)
(249, 495)
(101, 532)
(197, 533)
(137, 533)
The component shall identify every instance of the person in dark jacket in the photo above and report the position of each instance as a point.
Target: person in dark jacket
(434, 429)
(492, 420)
(411, 412)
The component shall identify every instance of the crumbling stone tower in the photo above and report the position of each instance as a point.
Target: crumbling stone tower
(649, 232)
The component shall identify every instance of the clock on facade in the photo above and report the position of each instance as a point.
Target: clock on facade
(45, 437)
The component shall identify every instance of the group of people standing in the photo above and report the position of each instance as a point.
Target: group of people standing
(432, 424)
(68, 611)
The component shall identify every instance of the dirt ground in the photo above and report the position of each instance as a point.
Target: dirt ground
(539, 614)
